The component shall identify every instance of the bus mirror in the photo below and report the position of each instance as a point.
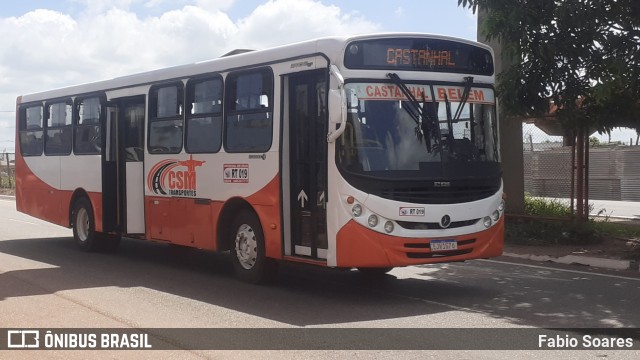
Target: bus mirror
(337, 107)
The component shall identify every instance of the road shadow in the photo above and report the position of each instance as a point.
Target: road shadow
(309, 296)
(301, 296)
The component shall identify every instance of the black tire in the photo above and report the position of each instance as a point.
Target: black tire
(84, 226)
(374, 272)
(248, 250)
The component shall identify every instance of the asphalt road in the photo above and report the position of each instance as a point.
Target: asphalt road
(46, 282)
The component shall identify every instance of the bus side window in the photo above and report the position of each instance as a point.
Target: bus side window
(166, 118)
(58, 139)
(249, 106)
(31, 130)
(88, 139)
(204, 117)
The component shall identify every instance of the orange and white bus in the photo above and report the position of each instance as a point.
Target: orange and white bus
(367, 152)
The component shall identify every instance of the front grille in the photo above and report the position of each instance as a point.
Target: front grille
(433, 183)
(435, 226)
(431, 195)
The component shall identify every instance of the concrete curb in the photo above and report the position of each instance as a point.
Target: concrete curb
(613, 264)
(7, 197)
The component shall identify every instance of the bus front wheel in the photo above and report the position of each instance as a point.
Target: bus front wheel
(84, 226)
(248, 250)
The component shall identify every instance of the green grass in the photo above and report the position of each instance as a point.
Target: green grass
(621, 230)
(5, 183)
(550, 223)
(545, 207)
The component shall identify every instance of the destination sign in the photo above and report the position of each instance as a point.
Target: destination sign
(387, 91)
(419, 54)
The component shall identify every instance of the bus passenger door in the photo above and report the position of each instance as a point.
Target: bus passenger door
(305, 165)
(123, 170)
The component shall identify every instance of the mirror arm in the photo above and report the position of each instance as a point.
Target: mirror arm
(334, 134)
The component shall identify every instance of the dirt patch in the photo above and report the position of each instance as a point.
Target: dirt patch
(609, 248)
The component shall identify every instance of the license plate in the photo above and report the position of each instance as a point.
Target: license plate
(443, 245)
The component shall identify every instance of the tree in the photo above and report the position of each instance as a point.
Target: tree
(594, 141)
(584, 55)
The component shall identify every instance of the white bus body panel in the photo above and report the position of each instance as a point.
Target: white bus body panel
(135, 197)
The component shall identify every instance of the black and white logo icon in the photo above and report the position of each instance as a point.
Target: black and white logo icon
(445, 221)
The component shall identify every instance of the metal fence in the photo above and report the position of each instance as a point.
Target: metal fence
(614, 170)
(7, 174)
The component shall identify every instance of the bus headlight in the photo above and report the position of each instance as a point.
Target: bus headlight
(388, 227)
(373, 220)
(486, 222)
(501, 206)
(356, 210)
(495, 215)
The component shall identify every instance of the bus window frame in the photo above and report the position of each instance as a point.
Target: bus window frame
(23, 128)
(231, 79)
(152, 115)
(101, 120)
(46, 117)
(189, 96)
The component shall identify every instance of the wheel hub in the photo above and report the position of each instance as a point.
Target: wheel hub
(246, 246)
(82, 221)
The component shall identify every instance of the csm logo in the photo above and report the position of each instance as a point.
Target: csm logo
(441, 184)
(23, 339)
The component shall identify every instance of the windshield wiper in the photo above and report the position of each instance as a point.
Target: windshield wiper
(417, 113)
(465, 96)
(451, 119)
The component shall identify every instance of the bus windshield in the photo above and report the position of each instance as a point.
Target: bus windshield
(385, 136)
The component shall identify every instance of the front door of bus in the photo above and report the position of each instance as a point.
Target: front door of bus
(124, 171)
(307, 129)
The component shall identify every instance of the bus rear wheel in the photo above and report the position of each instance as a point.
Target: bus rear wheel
(248, 250)
(84, 226)
(84, 229)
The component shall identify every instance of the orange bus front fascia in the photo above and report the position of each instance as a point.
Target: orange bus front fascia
(358, 246)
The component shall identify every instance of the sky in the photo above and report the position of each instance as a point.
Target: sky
(56, 43)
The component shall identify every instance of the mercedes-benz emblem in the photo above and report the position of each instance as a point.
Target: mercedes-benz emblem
(445, 221)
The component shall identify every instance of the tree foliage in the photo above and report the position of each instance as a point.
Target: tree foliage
(582, 54)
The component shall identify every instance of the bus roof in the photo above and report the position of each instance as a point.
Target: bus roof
(332, 47)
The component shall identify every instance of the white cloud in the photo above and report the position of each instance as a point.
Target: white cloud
(283, 21)
(97, 7)
(399, 12)
(212, 5)
(45, 49)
